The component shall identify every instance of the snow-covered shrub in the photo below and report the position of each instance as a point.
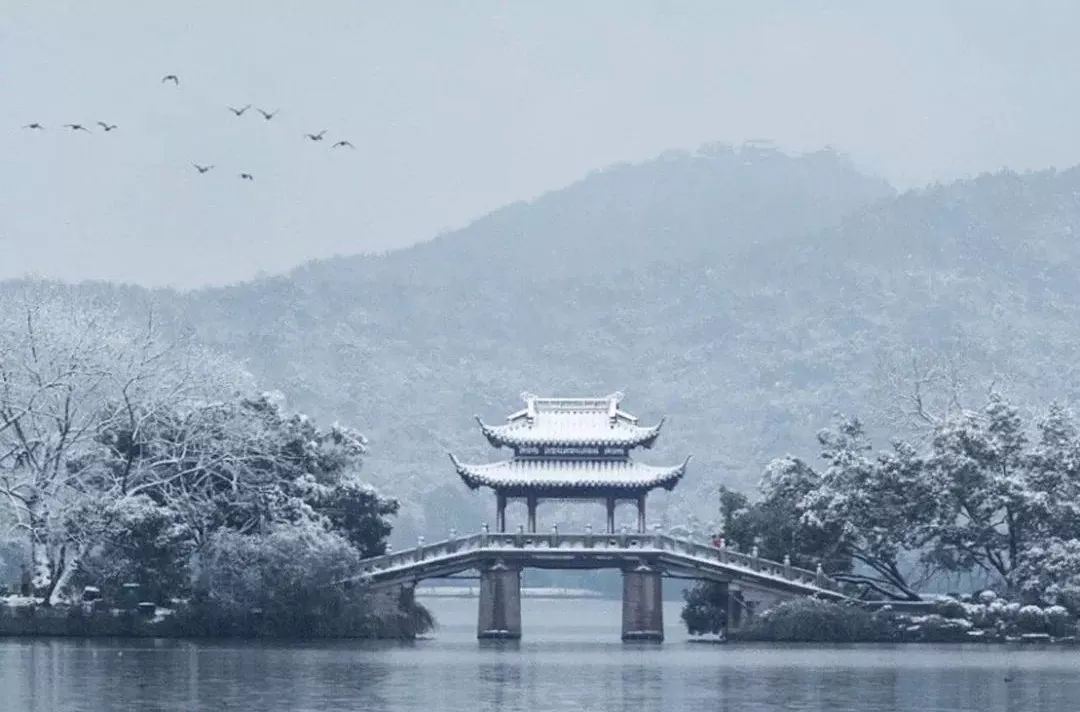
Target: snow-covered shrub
(287, 581)
(987, 597)
(280, 582)
(935, 628)
(813, 620)
(1031, 619)
(706, 608)
(144, 543)
(1050, 572)
(980, 616)
(998, 609)
(950, 608)
(1059, 622)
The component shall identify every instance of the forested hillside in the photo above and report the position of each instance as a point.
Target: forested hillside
(588, 289)
(745, 294)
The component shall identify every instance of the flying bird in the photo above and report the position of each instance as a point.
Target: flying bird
(107, 127)
(247, 176)
(269, 114)
(201, 169)
(342, 144)
(316, 137)
(34, 125)
(76, 127)
(171, 78)
(240, 112)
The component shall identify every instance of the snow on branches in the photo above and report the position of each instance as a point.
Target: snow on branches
(988, 493)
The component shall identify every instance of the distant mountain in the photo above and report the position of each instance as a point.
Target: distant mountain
(563, 295)
(744, 293)
(678, 207)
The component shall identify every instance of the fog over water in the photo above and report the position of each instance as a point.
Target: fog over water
(459, 108)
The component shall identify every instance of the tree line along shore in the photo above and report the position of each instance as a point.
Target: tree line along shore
(989, 497)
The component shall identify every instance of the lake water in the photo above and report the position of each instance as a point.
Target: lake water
(570, 660)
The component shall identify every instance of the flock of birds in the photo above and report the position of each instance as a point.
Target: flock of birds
(237, 111)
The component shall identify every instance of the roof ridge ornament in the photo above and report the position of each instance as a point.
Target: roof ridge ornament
(484, 427)
(592, 426)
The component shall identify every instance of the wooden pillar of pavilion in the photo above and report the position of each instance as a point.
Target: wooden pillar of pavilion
(610, 515)
(641, 513)
(500, 512)
(531, 501)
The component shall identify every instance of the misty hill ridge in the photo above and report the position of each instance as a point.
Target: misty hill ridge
(680, 206)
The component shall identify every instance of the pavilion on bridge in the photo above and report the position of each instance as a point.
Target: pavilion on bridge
(570, 448)
(578, 449)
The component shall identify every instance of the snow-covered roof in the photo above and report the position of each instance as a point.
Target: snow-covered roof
(569, 474)
(571, 421)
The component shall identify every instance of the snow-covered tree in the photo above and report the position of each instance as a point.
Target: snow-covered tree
(776, 525)
(69, 372)
(246, 466)
(1053, 476)
(979, 466)
(863, 508)
(986, 493)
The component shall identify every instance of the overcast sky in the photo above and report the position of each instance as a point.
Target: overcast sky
(458, 108)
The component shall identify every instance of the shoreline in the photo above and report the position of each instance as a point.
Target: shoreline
(31, 619)
(1024, 641)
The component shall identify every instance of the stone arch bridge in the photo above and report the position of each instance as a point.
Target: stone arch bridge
(644, 559)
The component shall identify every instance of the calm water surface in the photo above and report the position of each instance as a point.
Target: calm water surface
(571, 659)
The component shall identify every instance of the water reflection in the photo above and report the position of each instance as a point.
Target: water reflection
(570, 659)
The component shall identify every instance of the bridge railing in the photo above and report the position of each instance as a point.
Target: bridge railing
(753, 562)
(421, 552)
(621, 542)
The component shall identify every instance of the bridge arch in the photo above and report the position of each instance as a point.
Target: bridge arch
(644, 558)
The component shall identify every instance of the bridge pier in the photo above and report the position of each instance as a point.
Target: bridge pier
(735, 605)
(406, 598)
(642, 605)
(500, 602)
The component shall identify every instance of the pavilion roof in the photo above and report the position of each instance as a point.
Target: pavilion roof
(569, 474)
(571, 421)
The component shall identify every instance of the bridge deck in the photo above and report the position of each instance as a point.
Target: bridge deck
(593, 551)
